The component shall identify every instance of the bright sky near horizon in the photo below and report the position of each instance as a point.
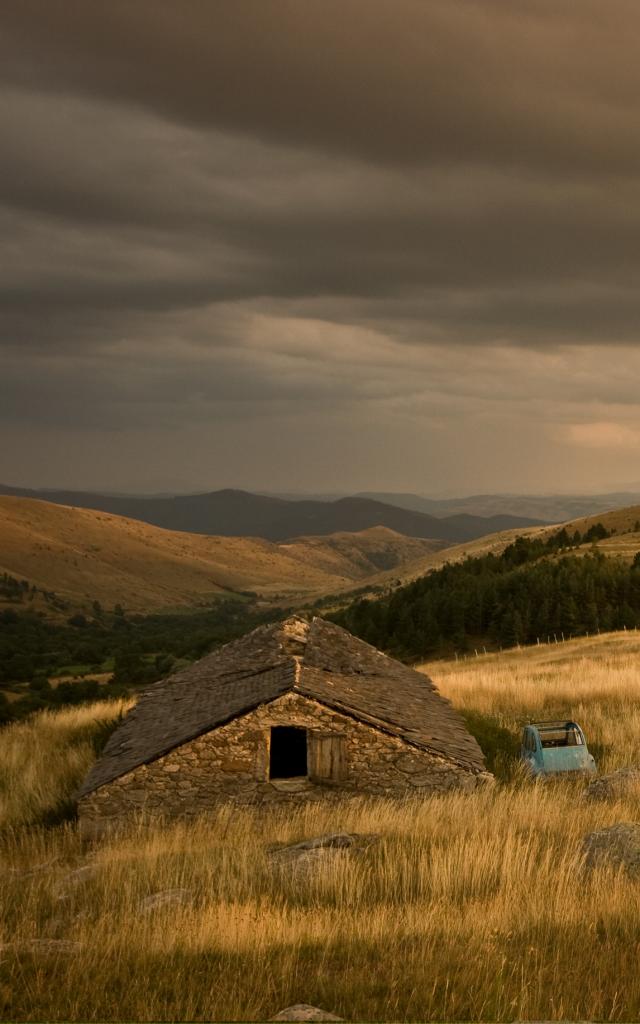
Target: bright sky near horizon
(329, 245)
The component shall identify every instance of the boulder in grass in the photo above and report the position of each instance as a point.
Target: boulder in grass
(166, 898)
(304, 1012)
(320, 853)
(45, 947)
(333, 841)
(624, 782)
(617, 846)
(80, 875)
(69, 883)
(35, 869)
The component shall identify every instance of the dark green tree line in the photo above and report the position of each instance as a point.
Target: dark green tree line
(514, 598)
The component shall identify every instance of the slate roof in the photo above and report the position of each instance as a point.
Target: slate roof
(316, 659)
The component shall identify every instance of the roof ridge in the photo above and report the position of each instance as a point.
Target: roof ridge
(319, 658)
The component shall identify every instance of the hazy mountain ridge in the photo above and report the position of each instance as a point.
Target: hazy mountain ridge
(552, 508)
(232, 513)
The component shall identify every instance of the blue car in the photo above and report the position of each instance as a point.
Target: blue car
(552, 748)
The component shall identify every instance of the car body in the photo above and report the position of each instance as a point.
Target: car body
(553, 748)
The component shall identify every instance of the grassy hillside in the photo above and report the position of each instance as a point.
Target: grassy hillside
(43, 760)
(470, 906)
(361, 557)
(492, 543)
(85, 555)
(581, 578)
(625, 543)
(622, 522)
(594, 679)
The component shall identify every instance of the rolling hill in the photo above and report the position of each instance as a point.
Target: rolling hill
(623, 523)
(83, 555)
(233, 513)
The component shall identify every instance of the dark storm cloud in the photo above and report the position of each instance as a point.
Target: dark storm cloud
(332, 202)
(219, 211)
(543, 83)
(204, 218)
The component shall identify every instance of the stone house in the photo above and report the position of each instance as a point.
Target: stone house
(293, 711)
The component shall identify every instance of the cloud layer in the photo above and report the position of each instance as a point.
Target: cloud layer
(323, 245)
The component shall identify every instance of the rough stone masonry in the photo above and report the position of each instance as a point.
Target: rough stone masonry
(368, 724)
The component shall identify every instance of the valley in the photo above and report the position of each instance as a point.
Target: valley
(83, 555)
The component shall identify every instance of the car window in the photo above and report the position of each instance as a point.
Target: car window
(567, 737)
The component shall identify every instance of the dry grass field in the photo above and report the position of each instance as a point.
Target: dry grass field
(470, 906)
(595, 680)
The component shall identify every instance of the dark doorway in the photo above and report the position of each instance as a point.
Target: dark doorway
(288, 752)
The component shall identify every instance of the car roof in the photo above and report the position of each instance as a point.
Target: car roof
(565, 723)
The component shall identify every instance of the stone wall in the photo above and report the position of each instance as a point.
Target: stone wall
(232, 764)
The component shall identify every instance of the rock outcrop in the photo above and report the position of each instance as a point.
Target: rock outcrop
(621, 783)
(166, 898)
(304, 1012)
(617, 846)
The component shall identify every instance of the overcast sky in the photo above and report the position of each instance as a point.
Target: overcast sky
(324, 245)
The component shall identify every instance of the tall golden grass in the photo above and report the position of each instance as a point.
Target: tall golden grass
(595, 680)
(469, 907)
(44, 759)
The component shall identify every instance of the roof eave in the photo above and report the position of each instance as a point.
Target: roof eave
(86, 790)
(392, 730)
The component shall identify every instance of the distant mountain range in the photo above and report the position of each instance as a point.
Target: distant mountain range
(233, 513)
(551, 508)
(85, 554)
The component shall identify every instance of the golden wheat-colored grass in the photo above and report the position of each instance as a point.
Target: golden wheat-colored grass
(594, 680)
(44, 759)
(469, 907)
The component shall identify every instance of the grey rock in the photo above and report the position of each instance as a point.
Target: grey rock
(44, 947)
(617, 846)
(623, 782)
(166, 898)
(333, 841)
(408, 763)
(35, 869)
(304, 1012)
(313, 856)
(314, 861)
(76, 878)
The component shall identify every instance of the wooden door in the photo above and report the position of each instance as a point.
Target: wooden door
(327, 757)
